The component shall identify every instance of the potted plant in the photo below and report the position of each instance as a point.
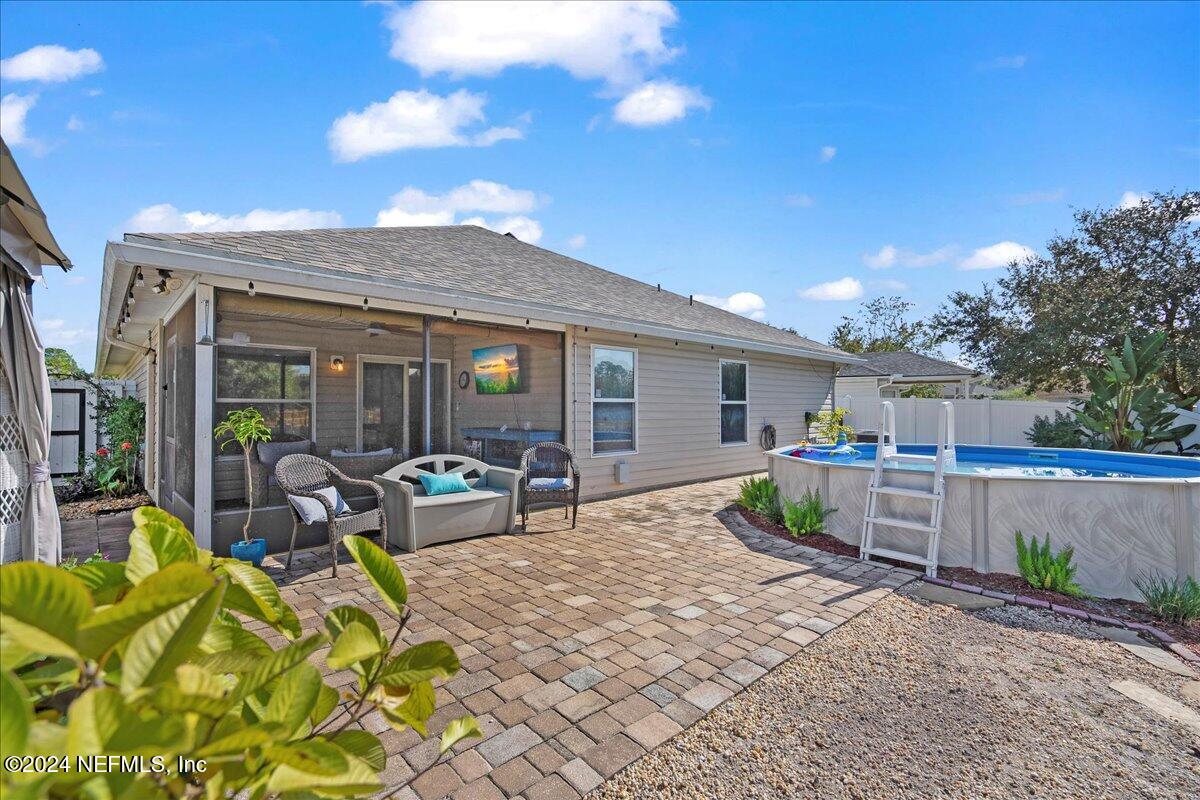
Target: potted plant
(246, 427)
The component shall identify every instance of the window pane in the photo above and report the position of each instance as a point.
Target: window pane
(382, 406)
(262, 372)
(612, 427)
(613, 374)
(733, 381)
(733, 423)
(289, 422)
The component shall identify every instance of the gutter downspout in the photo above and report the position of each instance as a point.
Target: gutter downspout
(113, 342)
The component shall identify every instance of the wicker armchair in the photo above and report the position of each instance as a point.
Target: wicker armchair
(302, 475)
(549, 462)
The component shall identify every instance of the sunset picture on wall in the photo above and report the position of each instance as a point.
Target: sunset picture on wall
(497, 369)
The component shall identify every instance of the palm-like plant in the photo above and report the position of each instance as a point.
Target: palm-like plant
(1128, 410)
(1043, 569)
(247, 427)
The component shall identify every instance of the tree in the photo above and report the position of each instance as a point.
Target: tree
(923, 390)
(247, 427)
(61, 364)
(1123, 271)
(880, 326)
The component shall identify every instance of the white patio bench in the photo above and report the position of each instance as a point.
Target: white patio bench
(416, 520)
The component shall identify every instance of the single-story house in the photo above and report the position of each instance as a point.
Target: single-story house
(883, 375)
(368, 346)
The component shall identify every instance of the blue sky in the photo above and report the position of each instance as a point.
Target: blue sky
(813, 156)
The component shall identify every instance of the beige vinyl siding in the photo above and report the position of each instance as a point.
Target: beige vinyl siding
(857, 386)
(678, 410)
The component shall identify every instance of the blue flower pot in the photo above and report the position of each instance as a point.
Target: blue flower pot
(253, 551)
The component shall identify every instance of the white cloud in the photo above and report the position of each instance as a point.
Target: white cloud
(165, 217)
(418, 119)
(886, 257)
(612, 41)
(1133, 199)
(1004, 62)
(748, 304)
(1033, 198)
(412, 206)
(889, 256)
(50, 63)
(55, 333)
(799, 200)
(524, 228)
(657, 103)
(997, 255)
(13, 108)
(827, 154)
(577, 242)
(847, 288)
(75, 123)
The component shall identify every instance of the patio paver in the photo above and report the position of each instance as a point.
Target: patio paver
(584, 648)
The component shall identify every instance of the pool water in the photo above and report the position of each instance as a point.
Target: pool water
(1028, 462)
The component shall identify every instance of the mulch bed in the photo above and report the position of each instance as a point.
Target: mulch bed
(1127, 611)
(83, 509)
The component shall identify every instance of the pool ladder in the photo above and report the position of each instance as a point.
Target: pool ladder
(885, 452)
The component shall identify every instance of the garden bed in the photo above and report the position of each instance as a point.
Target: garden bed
(1128, 611)
(96, 506)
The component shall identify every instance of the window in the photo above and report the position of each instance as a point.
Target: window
(734, 408)
(614, 400)
(276, 381)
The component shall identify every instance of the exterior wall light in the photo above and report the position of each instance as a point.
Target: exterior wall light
(337, 363)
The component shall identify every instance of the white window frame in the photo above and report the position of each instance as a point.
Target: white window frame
(371, 358)
(721, 401)
(312, 386)
(594, 400)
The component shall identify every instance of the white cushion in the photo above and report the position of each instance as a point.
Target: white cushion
(386, 451)
(312, 510)
(550, 483)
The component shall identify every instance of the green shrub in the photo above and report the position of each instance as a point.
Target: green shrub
(149, 657)
(830, 423)
(1045, 570)
(761, 495)
(1170, 599)
(1062, 431)
(927, 391)
(807, 516)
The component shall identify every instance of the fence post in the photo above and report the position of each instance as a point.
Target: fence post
(987, 419)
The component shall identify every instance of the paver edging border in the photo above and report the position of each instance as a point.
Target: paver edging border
(1160, 637)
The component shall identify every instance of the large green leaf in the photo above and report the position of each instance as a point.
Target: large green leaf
(105, 579)
(357, 779)
(41, 607)
(226, 636)
(380, 570)
(253, 593)
(416, 710)
(100, 722)
(336, 620)
(294, 697)
(154, 545)
(195, 689)
(363, 745)
(354, 644)
(327, 701)
(421, 662)
(459, 729)
(235, 742)
(168, 640)
(277, 663)
(16, 715)
(313, 756)
(158, 593)
(147, 514)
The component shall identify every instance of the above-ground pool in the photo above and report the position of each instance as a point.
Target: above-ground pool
(1125, 514)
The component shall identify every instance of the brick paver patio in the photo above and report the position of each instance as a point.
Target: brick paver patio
(583, 649)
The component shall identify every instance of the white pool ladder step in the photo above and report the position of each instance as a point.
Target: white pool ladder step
(886, 451)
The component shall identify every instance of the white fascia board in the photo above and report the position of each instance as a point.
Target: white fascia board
(251, 269)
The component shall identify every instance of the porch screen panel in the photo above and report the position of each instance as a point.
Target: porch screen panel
(185, 402)
(382, 406)
(439, 403)
(276, 381)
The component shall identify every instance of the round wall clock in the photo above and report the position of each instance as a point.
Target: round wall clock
(464, 380)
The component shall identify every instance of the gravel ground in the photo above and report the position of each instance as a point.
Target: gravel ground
(919, 700)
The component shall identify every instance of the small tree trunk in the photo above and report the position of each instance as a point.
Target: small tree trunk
(249, 495)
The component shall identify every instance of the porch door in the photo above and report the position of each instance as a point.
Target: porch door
(439, 402)
(166, 452)
(383, 407)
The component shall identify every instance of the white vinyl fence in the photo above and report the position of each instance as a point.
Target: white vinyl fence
(983, 421)
(73, 426)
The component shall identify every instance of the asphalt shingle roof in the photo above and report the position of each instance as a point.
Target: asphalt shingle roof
(476, 260)
(902, 362)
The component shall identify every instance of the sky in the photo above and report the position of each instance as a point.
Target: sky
(786, 161)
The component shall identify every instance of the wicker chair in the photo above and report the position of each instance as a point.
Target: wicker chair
(302, 475)
(556, 462)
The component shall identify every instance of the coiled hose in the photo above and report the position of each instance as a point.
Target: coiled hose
(766, 437)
